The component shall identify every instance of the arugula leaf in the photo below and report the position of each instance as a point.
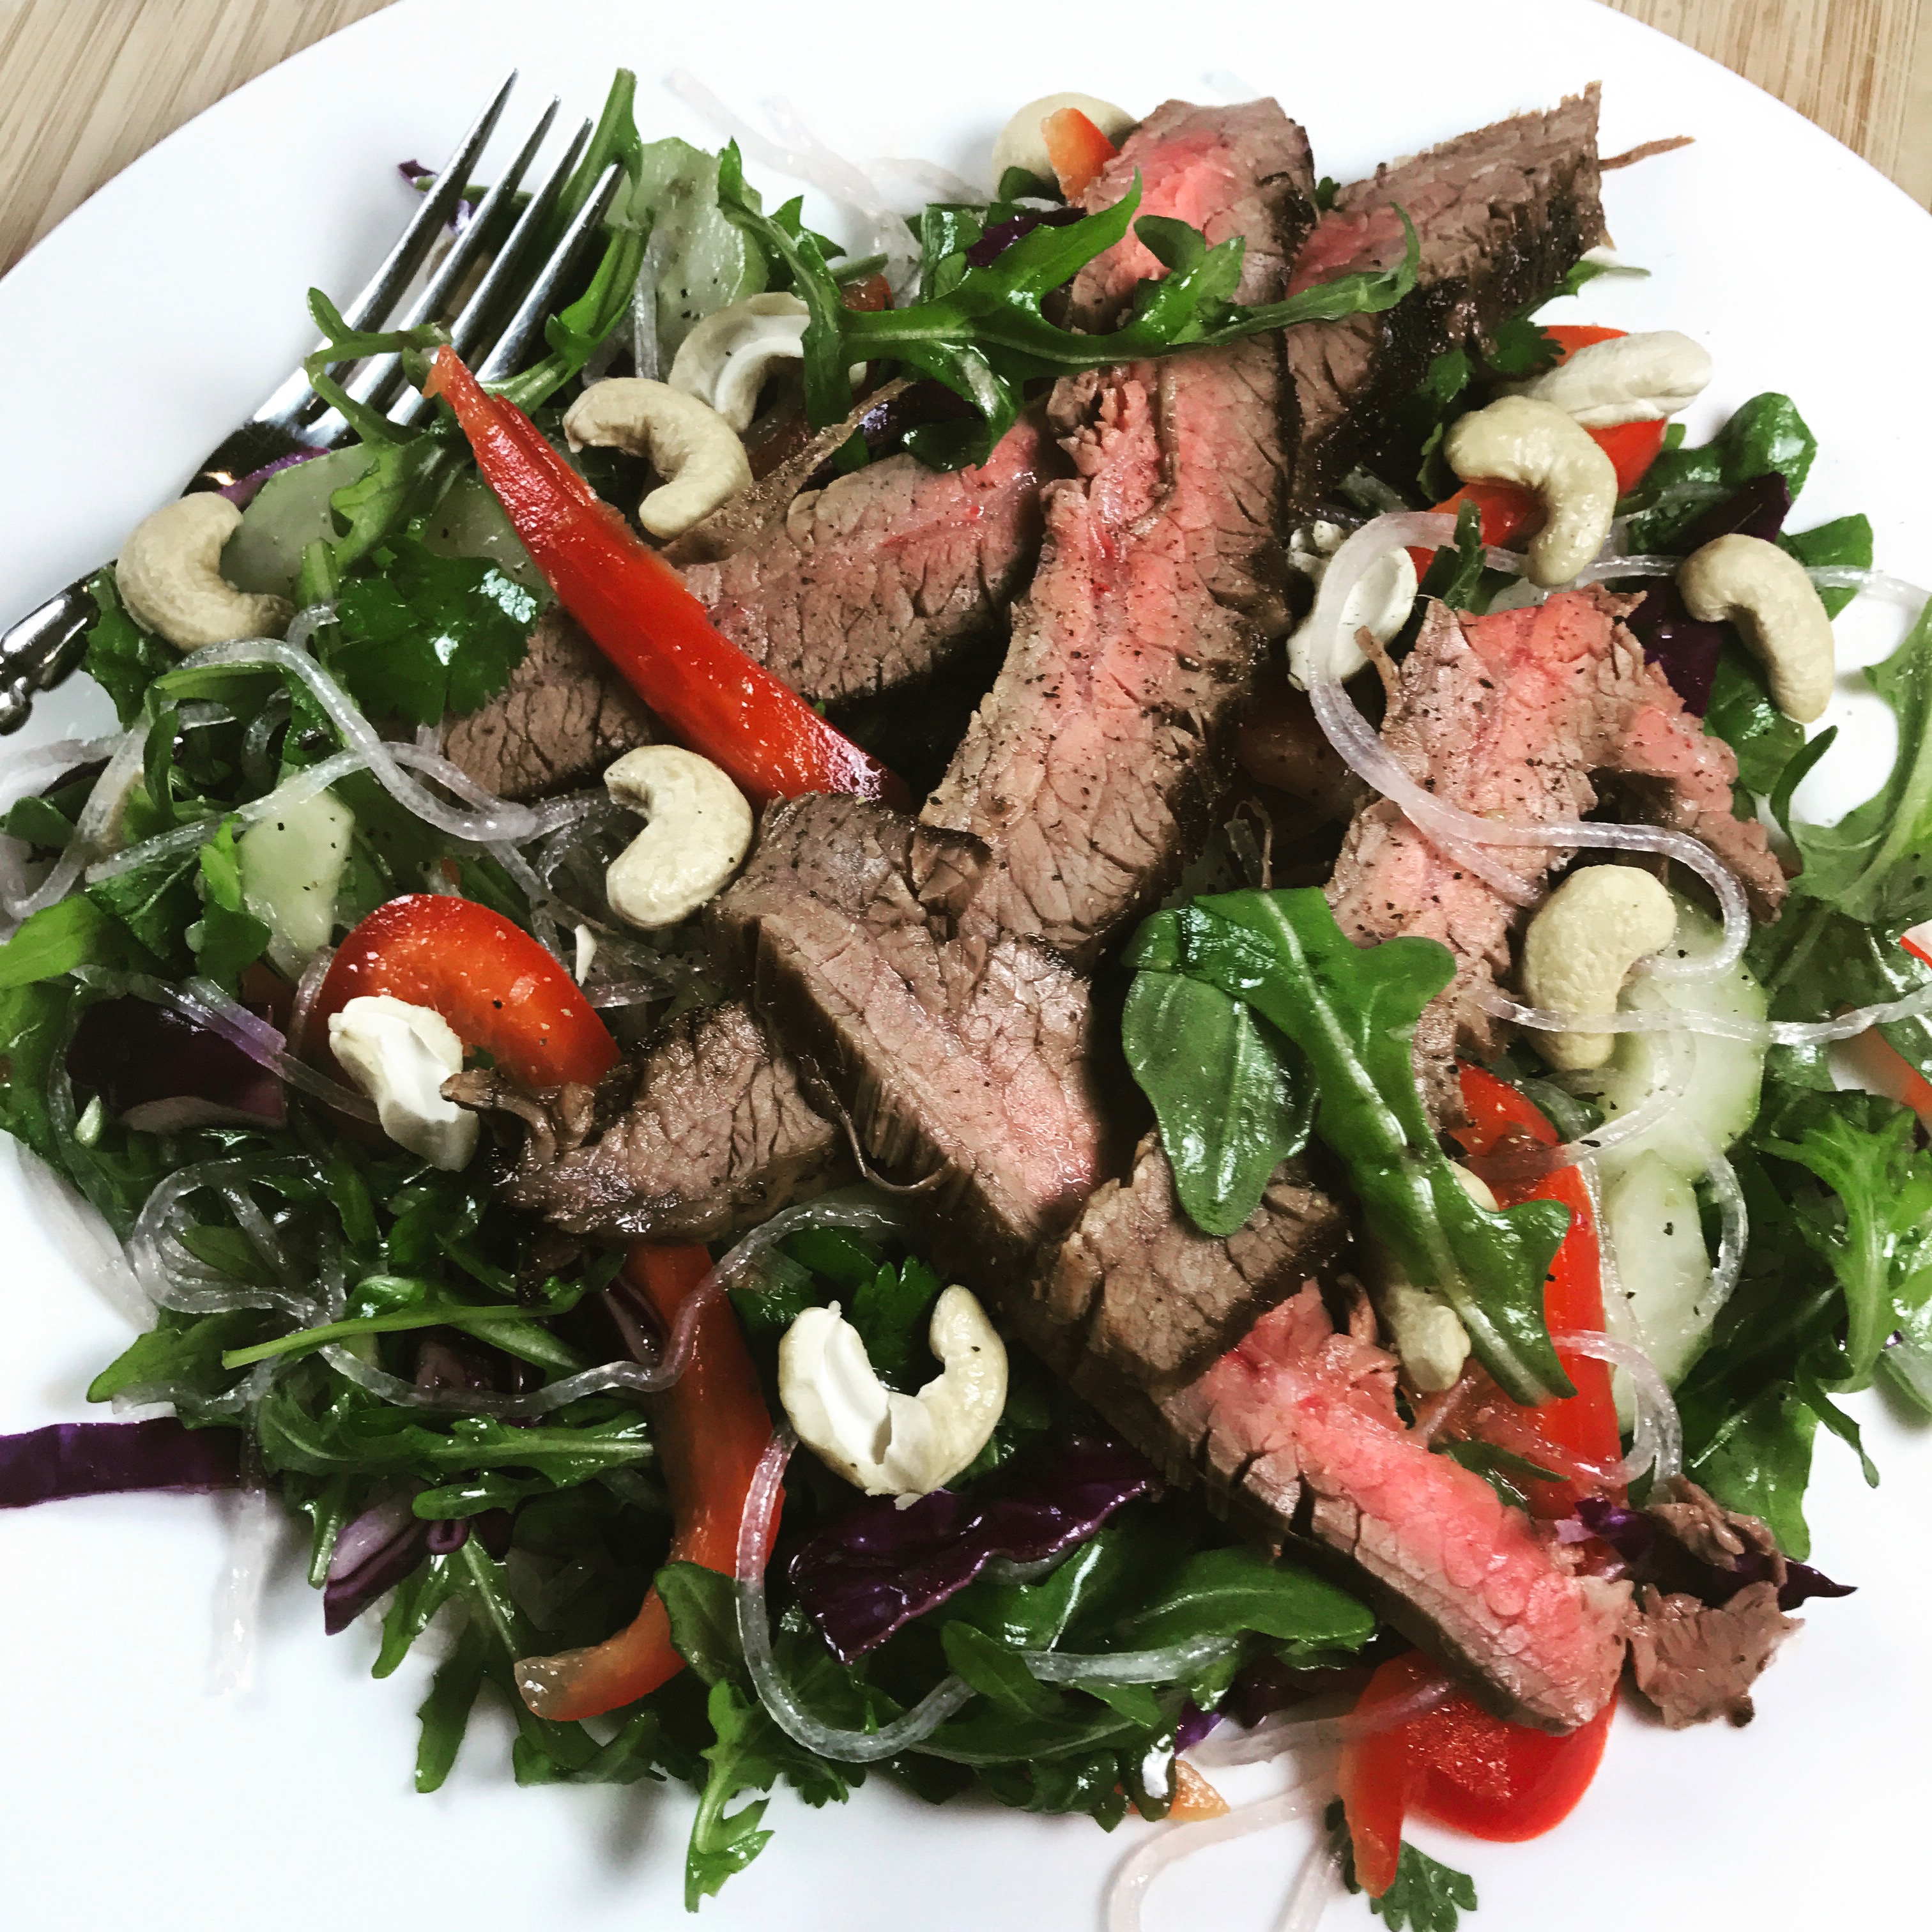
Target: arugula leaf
(156, 902)
(1865, 1151)
(1742, 713)
(1875, 865)
(1352, 1012)
(430, 634)
(749, 1753)
(122, 658)
(702, 1606)
(1847, 541)
(1766, 434)
(182, 1353)
(444, 1714)
(1423, 1894)
(1504, 1471)
(986, 336)
(71, 932)
(1227, 1592)
(1455, 574)
(999, 1674)
(227, 937)
(1232, 1102)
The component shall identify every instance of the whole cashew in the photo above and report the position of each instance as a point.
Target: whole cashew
(724, 361)
(888, 1443)
(1022, 145)
(700, 831)
(1521, 440)
(1765, 593)
(1580, 947)
(169, 577)
(1628, 379)
(1427, 1333)
(692, 447)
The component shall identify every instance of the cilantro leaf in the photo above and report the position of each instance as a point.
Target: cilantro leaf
(1234, 1100)
(1424, 1894)
(430, 634)
(1352, 1012)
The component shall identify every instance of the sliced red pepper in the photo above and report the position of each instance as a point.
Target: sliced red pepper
(1459, 1765)
(1509, 511)
(635, 608)
(1584, 1424)
(711, 1428)
(1077, 149)
(497, 987)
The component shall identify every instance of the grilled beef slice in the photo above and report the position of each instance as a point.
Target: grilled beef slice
(562, 718)
(1501, 214)
(703, 1132)
(879, 581)
(966, 1057)
(1513, 715)
(1091, 767)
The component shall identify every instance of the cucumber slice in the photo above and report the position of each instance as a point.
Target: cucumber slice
(1663, 1269)
(1720, 1099)
(470, 522)
(290, 511)
(704, 261)
(291, 866)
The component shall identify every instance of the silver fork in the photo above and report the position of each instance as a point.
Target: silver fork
(500, 321)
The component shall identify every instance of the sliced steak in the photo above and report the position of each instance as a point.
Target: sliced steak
(1695, 1662)
(1298, 1425)
(703, 1132)
(1137, 1302)
(1093, 765)
(1512, 716)
(881, 580)
(1501, 214)
(968, 1058)
(562, 718)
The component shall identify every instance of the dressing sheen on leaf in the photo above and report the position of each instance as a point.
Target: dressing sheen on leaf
(1352, 1012)
(1234, 1100)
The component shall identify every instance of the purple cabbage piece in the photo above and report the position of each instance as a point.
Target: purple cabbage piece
(1194, 1724)
(1001, 236)
(1685, 650)
(373, 1554)
(879, 1566)
(244, 490)
(423, 179)
(157, 1071)
(99, 1459)
(1653, 1557)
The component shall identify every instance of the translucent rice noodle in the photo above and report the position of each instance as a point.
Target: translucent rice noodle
(93, 830)
(1657, 1442)
(1280, 1733)
(1776, 1032)
(1171, 1842)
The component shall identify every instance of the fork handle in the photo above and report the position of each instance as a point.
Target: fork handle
(41, 650)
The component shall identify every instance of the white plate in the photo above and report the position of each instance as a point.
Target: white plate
(158, 315)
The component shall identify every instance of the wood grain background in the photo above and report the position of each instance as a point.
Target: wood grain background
(86, 86)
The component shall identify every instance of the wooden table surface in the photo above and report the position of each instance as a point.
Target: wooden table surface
(86, 86)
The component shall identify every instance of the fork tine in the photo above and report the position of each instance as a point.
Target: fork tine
(381, 371)
(295, 401)
(501, 287)
(502, 360)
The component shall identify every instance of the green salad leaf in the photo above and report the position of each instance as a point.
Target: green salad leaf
(1352, 1012)
(1766, 434)
(1234, 1100)
(1424, 1894)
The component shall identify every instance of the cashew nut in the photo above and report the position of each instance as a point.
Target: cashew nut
(169, 577)
(887, 1444)
(1765, 593)
(700, 831)
(1380, 602)
(1022, 145)
(1427, 1333)
(1580, 947)
(1519, 440)
(725, 359)
(691, 446)
(1628, 379)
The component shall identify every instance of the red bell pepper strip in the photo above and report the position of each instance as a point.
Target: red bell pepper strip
(1508, 511)
(1077, 149)
(1459, 1765)
(1584, 1424)
(711, 1427)
(497, 987)
(636, 609)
